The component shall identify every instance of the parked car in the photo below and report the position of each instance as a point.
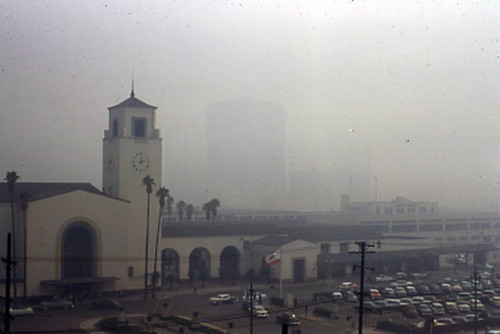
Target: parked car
(223, 298)
(337, 297)
(423, 290)
(400, 291)
(411, 291)
(444, 321)
(288, 318)
(410, 311)
(392, 303)
(451, 308)
(383, 278)
(437, 309)
(435, 289)
(495, 301)
(368, 305)
(424, 310)
(57, 304)
(405, 301)
(463, 307)
(18, 310)
(459, 319)
(417, 300)
(260, 312)
(473, 303)
(388, 292)
(105, 304)
(351, 296)
(464, 295)
(375, 294)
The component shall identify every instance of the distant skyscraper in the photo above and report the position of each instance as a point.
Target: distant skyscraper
(246, 154)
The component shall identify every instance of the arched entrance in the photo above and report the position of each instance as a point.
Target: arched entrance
(78, 251)
(229, 263)
(169, 267)
(199, 265)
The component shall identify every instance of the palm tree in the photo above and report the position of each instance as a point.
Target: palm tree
(149, 182)
(181, 205)
(206, 208)
(170, 203)
(214, 204)
(161, 194)
(11, 179)
(189, 211)
(24, 200)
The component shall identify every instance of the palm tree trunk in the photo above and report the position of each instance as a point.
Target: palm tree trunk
(14, 271)
(147, 251)
(25, 238)
(156, 253)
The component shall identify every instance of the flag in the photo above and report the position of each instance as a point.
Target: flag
(273, 258)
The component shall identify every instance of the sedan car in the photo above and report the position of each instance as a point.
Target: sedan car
(260, 312)
(57, 304)
(105, 304)
(20, 310)
(288, 318)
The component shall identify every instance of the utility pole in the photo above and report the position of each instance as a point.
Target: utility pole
(363, 249)
(475, 277)
(8, 264)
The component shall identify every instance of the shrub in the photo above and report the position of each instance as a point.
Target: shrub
(113, 325)
(322, 312)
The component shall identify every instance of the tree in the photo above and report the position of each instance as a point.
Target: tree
(24, 200)
(161, 194)
(11, 179)
(149, 182)
(170, 203)
(207, 210)
(181, 205)
(214, 204)
(189, 211)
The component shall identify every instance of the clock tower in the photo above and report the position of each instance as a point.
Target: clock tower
(132, 149)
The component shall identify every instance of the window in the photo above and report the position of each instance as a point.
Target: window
(456, 227)
(344, 247)
(411, 210)
(130, 272)
(325, 248)
(115, 127)
(139, 127)
(404, 228)
(422, 209)
(431, 227)
(379, 244)
(463, 238)
(246, 245)
(378, 210)
(400, 210)
(388, 211)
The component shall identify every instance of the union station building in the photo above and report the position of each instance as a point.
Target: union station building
(74, 237)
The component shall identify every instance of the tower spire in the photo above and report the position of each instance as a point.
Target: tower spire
(132, 94)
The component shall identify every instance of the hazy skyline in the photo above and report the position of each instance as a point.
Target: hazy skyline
(409, 88)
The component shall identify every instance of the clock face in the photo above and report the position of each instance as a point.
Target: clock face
(110, 162)
(140, 162)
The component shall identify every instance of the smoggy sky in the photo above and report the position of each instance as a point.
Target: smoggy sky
(406, 91)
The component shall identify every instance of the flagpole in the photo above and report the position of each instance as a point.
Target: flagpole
(281, 276)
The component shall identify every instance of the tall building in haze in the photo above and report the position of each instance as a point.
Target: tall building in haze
(246, 154)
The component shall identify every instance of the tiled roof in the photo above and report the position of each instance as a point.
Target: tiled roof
(39, 190)
(132, 101)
